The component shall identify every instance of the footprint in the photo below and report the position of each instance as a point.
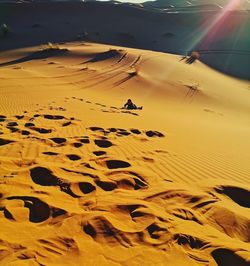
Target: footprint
(66, 124)
(89, 230)
(88, 166)
(50, 153)
(39, 210)
(99, 153)
(2, 118)
(106, 185)
(25, 132)
(54, 117)
(104, 230)
(112, 129)
(126, 183)
(103, 143)
(114, 164)
(122, 133)
(148, 159)
(77, 144)
(29, 124)
(135, 131)
(96, 129)
(208, 110)
(127, 179)
(41, 130)
(152, 133)
(86, 187)
(73, 157)
(161, 151)
(5, 141)
(100, 104)
(226, 257)
(18, 117)
(12, 124)
(13, 129)
(58, 140)
(85, 140)
(44, 177)
(190, 241)
(155, 231)
(239, 195)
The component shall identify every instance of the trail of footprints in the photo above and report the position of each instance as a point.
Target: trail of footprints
(104, 108)
(118, 173)
(28, 128)
(24, 128)
(82, 182)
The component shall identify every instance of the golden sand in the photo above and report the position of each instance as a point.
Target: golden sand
(84, 182)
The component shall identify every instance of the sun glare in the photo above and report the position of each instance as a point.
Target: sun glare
(207, 33)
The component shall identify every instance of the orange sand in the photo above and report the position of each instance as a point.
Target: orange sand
(84, 182)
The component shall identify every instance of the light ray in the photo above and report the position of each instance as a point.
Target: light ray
(210, 31)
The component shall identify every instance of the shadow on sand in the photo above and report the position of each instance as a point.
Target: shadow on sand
(104, 56)
(36, 56)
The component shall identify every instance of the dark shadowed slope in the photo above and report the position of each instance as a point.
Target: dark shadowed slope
(224, 41)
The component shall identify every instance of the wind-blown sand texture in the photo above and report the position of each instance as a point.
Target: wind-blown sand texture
(172, 26)
(85, 182)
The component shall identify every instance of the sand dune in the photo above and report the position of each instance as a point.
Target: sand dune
(84, 182)
(222, 38)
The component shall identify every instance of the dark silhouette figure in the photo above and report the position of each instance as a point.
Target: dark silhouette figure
(129, 105)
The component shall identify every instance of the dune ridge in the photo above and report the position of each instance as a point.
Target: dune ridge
(180, 29)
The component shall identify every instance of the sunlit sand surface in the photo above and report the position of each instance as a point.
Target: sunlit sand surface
(85, 182)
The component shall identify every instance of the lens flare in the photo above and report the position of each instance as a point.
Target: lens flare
(208, 32)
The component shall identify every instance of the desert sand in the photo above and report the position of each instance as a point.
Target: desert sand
(222, 38)
(85, 182)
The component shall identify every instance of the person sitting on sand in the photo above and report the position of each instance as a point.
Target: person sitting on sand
(130, 105)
